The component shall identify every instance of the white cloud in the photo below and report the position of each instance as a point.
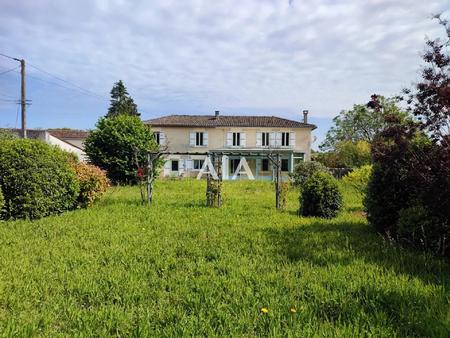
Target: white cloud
(237, 56)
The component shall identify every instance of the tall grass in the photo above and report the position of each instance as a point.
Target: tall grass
(178, 268)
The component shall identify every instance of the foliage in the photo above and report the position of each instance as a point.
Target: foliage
(121, 102)
(321, 196)
(7, 135)
(120, 268)
(303, 170)
(115, 141)
(35, 179)
(2, 201)
(430, 99)
(359, 178)
(347, 154)
(284, 189)
(93, 183)
(361, 123)
(412, 162)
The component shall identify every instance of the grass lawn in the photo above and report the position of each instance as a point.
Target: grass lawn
(178, 268)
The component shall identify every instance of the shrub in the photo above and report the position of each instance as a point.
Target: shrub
(93, 183)
(2, 201)
(304, 170)
(284, 189)
(321, 196)
(115, 141)
(359, 178)
(36, 179)
(419, 228)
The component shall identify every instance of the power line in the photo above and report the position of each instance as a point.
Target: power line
(9, 70)
(9, 57)
(87, 91)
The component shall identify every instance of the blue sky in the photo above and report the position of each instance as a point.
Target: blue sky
(237, 56)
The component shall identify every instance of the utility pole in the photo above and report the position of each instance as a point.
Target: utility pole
(23, 100)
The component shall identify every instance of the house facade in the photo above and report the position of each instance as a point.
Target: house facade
(242, 144)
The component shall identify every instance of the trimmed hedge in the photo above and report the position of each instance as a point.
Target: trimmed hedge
(36, 179)
(93, 183)
(321, 196)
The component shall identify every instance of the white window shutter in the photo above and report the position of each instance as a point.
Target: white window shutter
(189, 164)
(162, 139)
(192, 139)
(243, 140)
(292, 139)
(229, 139)
(258, 139)
(277, 139)
(205, 138)
(272, 139)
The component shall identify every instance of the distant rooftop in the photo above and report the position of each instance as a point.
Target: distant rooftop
(212, 121)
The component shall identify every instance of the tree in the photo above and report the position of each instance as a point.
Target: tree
(346, 154)
(121, 102)
(115, 144)
(361, 123)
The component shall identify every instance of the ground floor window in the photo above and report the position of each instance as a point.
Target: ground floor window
(284, 164)
(198, 164)
(265, 164)
(174, 165)
(234, 162)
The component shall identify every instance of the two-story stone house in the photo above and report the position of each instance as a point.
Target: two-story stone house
(242, 142)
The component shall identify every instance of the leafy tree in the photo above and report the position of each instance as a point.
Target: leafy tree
(115, 143)
(347, 154)
(121, 102)
(361, 123)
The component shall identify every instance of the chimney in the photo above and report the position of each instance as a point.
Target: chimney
(305, 116)
(216, 113)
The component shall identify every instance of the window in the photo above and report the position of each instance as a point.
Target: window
(157, 137)
(234, 162)
(236, 139)
(174, 165)
(264, 164)
(198, 164)
(199, 139)
(265, 139)
(284, 164)
(285, 139)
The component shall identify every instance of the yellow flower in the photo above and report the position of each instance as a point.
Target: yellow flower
(264, 310)
(293, 310)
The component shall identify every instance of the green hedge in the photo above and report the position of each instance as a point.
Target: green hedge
(2, 200)
(321, 196)
(36, 179)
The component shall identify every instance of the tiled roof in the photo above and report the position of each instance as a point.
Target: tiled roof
(68, 133)
(211, 121)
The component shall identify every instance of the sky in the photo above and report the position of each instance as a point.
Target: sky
(242, 57)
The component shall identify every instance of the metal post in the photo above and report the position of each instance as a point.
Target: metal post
(149, 178)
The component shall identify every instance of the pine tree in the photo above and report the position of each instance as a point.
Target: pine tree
(121, 102)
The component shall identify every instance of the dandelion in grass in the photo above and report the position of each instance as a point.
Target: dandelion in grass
(264, 310)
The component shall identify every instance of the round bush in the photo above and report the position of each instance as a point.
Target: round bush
(321, 196)
(36, 179)
(93, 183)
(304, 170)
(115, 141)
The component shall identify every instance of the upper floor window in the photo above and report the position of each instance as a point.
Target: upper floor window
(236, 139)
(198, 139)
(265, 139)
(285, 138)
(160, 137)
